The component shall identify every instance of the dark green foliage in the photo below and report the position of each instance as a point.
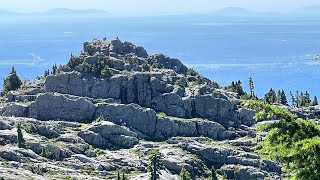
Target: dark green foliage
(301, 99)
(146, 67)
(46, 73)
(12, 82)
(54, 69)
(97, 68)
(87, 67)
(180, 83)
(106, 73)
(214, 174)
(74, 61)
(292, 141)
(270, 97)
(251, 87)
(155, 166)
(192, 72)
(315, 101)
(293, 99)
(118, 176)
(131, 59)
(37, 169)
(215, 84)
(236, 87)
(282, 97)
(123, 177)
(30, 128)
(59, 68)
(184, 174)
(46, 153)
(21, 141)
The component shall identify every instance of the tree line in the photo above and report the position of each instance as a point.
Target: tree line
(297, 99)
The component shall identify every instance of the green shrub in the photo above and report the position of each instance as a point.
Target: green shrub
(74, 61)
(21, 141)
(37, 169)
(184, 174)
(46, 153)
(192, 72)
(12, 82)
(292, 141)
(106, 73)
(30, 128)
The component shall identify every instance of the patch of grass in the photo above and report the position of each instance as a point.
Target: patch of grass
(99, 151)
(136, 153)
(30, 128)
(162, 114)
(46, 153)
(37, 169)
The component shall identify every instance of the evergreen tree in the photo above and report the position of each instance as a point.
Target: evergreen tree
(271, 97)
(251, 87)
(118, 177)
(307, 99)
(59, 68)
(97, 68)
(155, 166)
(236, 87)
(184, 174)
(315, 101)
(302, 99)
(214, 174)
(293, 99)
(74, 61)
(279, 97)
(21, 141)
(297, 98)
(123, 177)
(46, 73)
(106, 73)
(283, 98)
(12, 82)
(54, 69)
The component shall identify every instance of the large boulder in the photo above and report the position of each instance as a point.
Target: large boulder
(106, 129)
(167, 127)
(9, 155)
(170, 63)
(15, 109)
(105, 133)
(130, 115)
(53, 106)
(93, 138)
(212, 106)
(242, 172)
(171, 104)
(211, 129)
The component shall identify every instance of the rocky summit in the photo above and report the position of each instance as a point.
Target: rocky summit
(109, 108)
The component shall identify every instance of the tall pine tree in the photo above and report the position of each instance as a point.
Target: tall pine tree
(155, 166)
(20, 139)
(315, 101)
(251, 87)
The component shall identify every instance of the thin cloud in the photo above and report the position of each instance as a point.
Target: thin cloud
(36, 60)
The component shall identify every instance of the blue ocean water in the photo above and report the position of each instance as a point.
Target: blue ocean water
(275, 53)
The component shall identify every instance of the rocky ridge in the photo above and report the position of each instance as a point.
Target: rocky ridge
(86, 127)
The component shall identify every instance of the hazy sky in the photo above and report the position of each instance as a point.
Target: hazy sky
(127, 7)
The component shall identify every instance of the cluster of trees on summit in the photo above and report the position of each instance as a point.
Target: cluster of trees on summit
(297, 99)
